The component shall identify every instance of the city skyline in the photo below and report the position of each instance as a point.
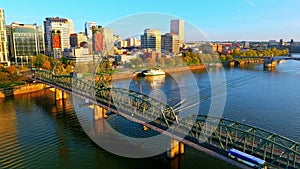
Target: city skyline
(239, 20)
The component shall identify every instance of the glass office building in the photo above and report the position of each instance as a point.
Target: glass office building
(26, 40)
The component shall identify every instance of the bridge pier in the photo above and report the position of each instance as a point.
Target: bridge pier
(60, 95)
(270, 63)
(241, 62)
(99, 112)
(176, 148)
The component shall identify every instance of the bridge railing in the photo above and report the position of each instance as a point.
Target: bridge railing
(126, 100)
(275, 149)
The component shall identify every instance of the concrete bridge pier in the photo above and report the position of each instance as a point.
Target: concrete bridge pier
(270, 63)
(60, 95)
(241, 62)
(175, 148)
(99, 112)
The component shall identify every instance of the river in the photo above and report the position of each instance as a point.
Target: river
(37, 132)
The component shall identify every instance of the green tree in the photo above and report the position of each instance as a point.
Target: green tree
(40, 60)
(236, 52)
(65, 61)
(222, 58)
(229, 57)
(59, 69)
(206, 58)
(187, 60)
(53, 61)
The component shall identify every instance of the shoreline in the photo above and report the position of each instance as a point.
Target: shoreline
(129, 75)
(23, 89)
(33, 87)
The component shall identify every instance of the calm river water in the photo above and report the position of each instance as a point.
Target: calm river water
(37, 132)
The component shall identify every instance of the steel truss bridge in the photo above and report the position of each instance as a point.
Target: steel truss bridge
(268, 57)
(215, 134)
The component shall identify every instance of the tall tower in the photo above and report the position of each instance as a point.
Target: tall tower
(170, 43)
(57, 35)
(3, 39)
(88, 29)
(177, 28)
(103, 40)
(151, 39)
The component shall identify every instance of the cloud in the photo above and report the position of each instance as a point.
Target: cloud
(250, 2)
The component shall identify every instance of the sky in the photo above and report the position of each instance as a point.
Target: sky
(258, 20)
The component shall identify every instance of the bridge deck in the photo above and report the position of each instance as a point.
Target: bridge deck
(204, 133)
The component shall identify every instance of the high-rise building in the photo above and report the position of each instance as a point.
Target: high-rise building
(170, 43)
(78, 39)
(88, 29)
(177, 28)
(133, 42)
(151, 39)
(3, 40)
(57, 35)
(103, 40)
(25, 40)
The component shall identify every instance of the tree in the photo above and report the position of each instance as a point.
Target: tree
(229, 57)
(72, 63)
(32, 61)
(2, 68)
(170, 62)
(161, 62)
(46, 65)
(53, 61)
(65, 61)
(40, 59)
(222, 58)
(178, 60)
(151, 62)
(11, 70)
(4, 77)
(69, 69)
(59, 69)
(136, 62)
(236, 52)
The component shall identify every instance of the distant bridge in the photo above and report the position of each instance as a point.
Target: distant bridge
(278, 151)
(268, 57)
(269, 61)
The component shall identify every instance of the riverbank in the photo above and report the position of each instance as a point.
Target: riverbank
(17, 90)
(33, 87)
(129, 74)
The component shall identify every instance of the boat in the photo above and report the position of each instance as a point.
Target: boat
(153, 72)
(138, 73)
